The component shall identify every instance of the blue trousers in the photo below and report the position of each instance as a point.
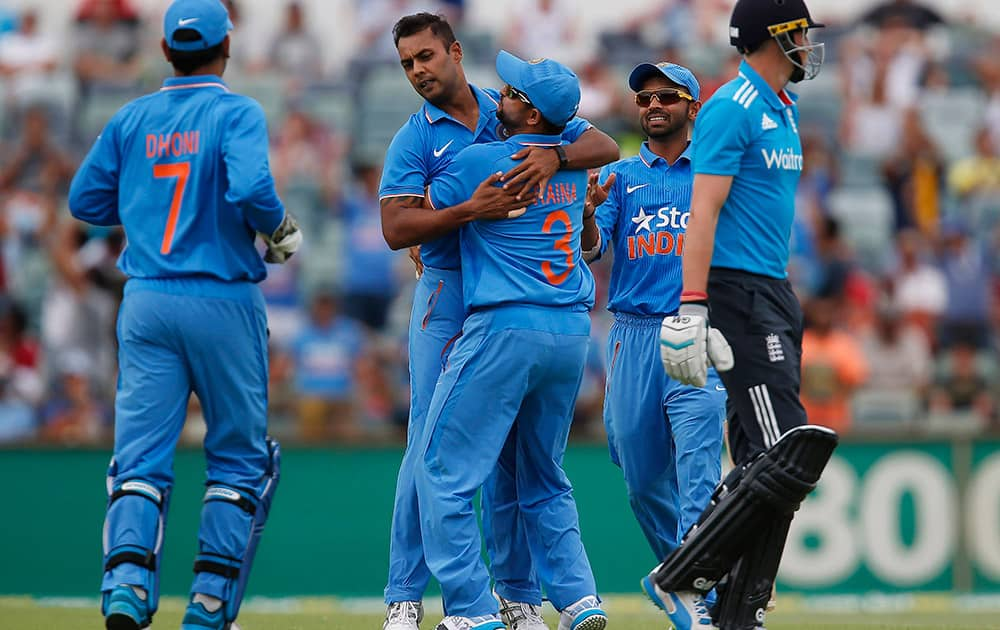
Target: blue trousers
(176, 337)
(665, 436)
(514, 366)
(435, 326)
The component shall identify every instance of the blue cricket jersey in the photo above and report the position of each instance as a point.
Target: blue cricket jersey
(534, 259)
(424, 147)
(184, 170)
(747, 131)
(644, 220)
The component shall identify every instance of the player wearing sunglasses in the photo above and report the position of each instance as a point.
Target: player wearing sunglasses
(664, 434)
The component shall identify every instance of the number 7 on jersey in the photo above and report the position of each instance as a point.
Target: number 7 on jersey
(180, 170)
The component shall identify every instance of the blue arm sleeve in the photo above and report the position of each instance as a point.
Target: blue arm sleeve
(721, 136)
(93, 194)
(405, 171)
(574, 129)
(607, 212)
(251, 187)
(469, 168)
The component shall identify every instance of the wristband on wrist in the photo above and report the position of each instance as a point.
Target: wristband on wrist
(561, 152)
(694, 296)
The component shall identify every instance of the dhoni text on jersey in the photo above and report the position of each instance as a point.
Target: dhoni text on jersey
(176, 144)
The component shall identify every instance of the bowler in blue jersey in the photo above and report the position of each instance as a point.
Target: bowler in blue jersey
(511, 381)
(454, 116)
(665, 435)
(185, 171)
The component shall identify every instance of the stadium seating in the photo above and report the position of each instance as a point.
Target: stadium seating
(865, 215)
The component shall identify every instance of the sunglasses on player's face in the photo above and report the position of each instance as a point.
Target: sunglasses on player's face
(666, 96)
(510, 92)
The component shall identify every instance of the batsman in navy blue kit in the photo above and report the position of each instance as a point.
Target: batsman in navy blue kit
(185, 171)
(738, 308)
(665, 435)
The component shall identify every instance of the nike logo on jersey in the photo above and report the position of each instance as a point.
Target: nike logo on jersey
(631, 189)
(767, 124)
(720, 388)
(186, 21)
(439, 152)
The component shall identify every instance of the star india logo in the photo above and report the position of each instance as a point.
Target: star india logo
(775, 352)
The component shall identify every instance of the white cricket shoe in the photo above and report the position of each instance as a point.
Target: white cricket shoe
(403, 616)
(520, 615)
(486, 622)
(687, 609)
(585, 614)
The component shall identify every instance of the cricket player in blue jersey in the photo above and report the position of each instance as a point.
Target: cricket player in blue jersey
(185, 172)
(454, 116)
(512, 379)
(665, 435)
(738, 308)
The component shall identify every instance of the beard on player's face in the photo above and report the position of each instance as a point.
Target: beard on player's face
(511, 117)
(663, 122)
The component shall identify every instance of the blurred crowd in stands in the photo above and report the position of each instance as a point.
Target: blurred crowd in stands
(896, 246)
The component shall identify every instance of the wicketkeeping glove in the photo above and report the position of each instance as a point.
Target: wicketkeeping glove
(284, 242)
(688, 343)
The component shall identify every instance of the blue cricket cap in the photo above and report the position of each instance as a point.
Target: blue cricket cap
(550, 86)
(676, 73)
(208, 17)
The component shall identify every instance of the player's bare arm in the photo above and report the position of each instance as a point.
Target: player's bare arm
(707, 197)
(406, 222)
(593, 149)
(597, 194)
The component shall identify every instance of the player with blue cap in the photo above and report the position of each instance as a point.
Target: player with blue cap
(525, 342)
(665, 435)
(185, 172)
(201, 23)
(454, 115)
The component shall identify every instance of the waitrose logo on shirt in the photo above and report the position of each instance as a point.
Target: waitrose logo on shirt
(785, 159)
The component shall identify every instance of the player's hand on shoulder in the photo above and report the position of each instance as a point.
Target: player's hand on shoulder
(284, 241)
(535, 167)
(492, 201)
(688, 346)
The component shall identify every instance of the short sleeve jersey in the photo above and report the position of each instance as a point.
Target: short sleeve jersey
(644, 220)
(534, 259)
(424, 147)
(185, 171)
(751, 133)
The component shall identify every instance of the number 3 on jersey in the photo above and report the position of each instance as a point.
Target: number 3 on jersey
(561, 245)
(180, 170)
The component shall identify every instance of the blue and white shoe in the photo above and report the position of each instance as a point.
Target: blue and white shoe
(485, 622)
(197, 617)
(585, 614)
(126, 610)
(687, 609)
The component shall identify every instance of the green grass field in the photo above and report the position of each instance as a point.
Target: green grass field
(626, 613)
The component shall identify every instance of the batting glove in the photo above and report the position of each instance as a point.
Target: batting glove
(688, 345)
(284, 242)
